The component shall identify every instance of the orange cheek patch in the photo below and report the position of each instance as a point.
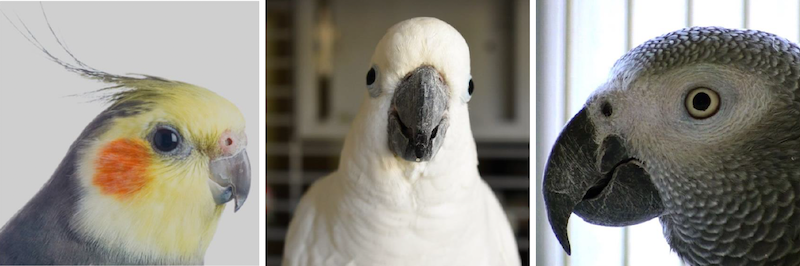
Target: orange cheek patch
(120, 168)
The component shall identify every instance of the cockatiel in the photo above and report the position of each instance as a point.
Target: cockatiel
(701, 128)
(145, 182)
(407, 190)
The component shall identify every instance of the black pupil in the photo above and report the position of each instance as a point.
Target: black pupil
(701, 101)
(371, 76)
(165, 140)
(471, 87)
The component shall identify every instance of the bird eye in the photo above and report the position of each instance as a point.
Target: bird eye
(702, 103)
(372, 75)
(166, 139)
(471, 87)
(469, 91)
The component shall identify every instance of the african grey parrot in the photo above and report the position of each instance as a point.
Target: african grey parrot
(407, 191)
(701, 128)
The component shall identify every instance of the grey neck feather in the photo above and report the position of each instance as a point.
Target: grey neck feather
(42, 232)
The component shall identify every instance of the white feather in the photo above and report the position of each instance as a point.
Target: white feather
(378, 209)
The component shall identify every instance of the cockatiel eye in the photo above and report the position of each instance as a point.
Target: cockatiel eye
(166, 139)
(702, 103)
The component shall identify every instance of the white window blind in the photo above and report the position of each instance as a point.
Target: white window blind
(577, 43)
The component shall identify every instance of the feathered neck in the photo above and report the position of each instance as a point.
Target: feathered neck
(367, 163)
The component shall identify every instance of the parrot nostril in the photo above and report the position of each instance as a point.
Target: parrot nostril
(418, 151)
(229, 141)
(606, 109)
(435, 130)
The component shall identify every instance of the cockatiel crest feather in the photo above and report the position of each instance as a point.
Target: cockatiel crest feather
(144, 183)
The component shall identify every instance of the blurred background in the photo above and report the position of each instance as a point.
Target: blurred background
(318, 52)
(577, 43)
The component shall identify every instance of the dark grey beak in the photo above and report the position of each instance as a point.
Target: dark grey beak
(418, 116)
(600, 182)
(230, 179)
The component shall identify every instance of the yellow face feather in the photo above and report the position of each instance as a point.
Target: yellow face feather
(147, 203)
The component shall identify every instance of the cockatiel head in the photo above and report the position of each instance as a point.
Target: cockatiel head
(418, 87)
(157, 167)
(144, 183)
(700, 128)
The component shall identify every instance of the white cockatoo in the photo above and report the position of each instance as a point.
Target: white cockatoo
(407, 191)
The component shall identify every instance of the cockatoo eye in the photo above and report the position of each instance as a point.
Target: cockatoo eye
(702, 103)
(166, 139)
(469, 91)
(372, 76)
(471, 87)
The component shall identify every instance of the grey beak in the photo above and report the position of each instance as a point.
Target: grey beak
(230, 179)
(418, 117)
(601, 183)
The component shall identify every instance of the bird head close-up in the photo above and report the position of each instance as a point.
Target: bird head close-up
(407, 186)
(697, 127)
(164, 158)
(418, 87)
(145, 182)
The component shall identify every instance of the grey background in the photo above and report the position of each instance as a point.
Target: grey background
(209, 44)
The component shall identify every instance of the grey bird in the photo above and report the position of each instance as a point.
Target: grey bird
(700, 128)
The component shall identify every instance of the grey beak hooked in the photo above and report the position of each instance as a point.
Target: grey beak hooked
(601, 183)
(418, 116)
(230, 179)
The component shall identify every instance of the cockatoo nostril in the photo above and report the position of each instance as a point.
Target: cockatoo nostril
(419, 151)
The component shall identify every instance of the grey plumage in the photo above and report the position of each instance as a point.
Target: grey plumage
(729, 184)
(42, 232)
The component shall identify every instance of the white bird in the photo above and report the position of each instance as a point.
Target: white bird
(407, 191)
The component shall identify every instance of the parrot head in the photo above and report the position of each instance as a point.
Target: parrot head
(146, 181)
(420, 81)
(158, 165)
(698, 127)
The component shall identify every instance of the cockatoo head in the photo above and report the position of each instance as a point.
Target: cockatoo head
(420, 81)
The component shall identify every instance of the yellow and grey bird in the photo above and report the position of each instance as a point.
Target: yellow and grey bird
(145, 182)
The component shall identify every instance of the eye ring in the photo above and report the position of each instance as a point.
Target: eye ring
(166, 139)
(702, 103)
